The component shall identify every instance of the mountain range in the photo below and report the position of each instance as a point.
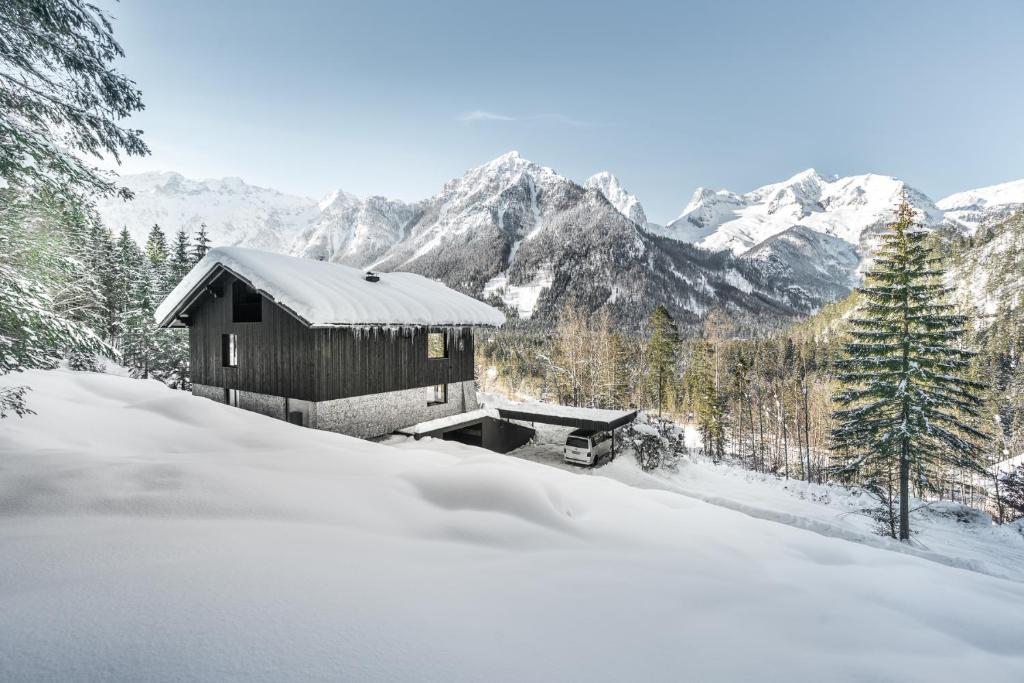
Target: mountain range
(533, 240)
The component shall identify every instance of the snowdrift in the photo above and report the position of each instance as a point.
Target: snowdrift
(151, 535)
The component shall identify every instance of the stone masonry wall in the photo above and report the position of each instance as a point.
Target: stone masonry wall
(264, 404)
(363, 416)
(379, 414)
(206, 391)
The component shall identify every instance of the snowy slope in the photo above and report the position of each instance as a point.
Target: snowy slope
(944, 532)
(151, 535)
(235, 213)
(823, 264)
(948, 533)
(974, 207)
(988, 271)
(848, 208)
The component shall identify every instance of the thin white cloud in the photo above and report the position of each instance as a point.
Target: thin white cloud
(480, 115)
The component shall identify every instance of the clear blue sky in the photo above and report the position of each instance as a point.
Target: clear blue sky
(395, 98)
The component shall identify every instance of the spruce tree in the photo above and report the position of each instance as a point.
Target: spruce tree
(156, 245)
(906, 402)
(47, 303)
(706, 399)
(62, 97)
(180, 259)
(159, 256)
(662, 352)
(125, 273)
(140, 343)
(202, 244)
(101, 256)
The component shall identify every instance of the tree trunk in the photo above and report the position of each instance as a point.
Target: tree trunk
(753, 447)
(659, 392)
(807, 433)
(905, 490)
(785, 441)
(760, 429)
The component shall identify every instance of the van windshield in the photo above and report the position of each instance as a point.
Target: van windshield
(577, 442)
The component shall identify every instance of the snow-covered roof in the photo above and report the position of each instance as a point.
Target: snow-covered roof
(326, 294)
(450, 421)
(550, 413)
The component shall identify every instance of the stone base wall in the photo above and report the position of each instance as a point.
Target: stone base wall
(206, 391)
(379, 414)
(271, 406)
(363, 416)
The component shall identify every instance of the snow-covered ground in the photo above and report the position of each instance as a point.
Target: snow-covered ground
(944, 532)
(150, 535)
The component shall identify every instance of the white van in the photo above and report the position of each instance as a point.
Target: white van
(586, 447)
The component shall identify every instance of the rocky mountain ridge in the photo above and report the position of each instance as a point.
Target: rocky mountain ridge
(532, 240)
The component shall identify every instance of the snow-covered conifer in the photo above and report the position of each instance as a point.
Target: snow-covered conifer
(180, 261)
(662, 353)
(62, 97)
(201, 245)
(906, 400)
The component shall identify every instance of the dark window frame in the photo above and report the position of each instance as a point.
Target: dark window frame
(229, 350)
(246, 303)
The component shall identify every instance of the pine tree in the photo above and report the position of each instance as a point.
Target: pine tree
(62, 97)
(140, 343)
(125, 272)
(159, 257)
(202, 244)
(662, 353)
(906, 402)
(47, 308)
(100, 258)
(707, 401)
(1011, 489)
(180, 259)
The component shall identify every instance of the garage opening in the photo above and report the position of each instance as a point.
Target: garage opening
(471, 435)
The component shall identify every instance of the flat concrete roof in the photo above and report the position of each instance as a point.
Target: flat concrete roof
(447, 423)
(595, 419)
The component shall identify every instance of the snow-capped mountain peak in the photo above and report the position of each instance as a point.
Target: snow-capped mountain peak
(337, 199)
(845, 207)
(235, 212)
(609, 186)
(518, 231)
(973, 207)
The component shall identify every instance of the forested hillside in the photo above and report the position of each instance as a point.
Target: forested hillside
(766, 402)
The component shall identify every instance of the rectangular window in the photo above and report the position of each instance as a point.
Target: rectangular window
(437, 345)
(229, 350)
(246, 304)
(231, 397)
(437, 394)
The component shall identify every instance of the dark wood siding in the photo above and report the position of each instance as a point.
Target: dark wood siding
(280, 356)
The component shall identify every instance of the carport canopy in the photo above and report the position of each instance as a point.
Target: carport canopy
(594, 419)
